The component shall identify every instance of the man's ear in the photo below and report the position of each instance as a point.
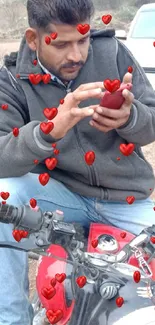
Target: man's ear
(31, 38)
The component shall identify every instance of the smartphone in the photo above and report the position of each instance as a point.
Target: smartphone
(116, 99)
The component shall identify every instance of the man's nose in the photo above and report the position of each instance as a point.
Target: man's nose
(74, 54)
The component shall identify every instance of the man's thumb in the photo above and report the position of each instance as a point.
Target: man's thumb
(127, 78)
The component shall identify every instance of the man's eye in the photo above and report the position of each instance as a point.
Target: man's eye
(83, 40)
(60, 45)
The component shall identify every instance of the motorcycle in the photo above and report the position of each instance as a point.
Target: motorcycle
(106, 277)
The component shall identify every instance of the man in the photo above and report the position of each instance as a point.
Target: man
(78, 63)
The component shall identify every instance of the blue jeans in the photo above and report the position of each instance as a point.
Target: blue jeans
(15, 308)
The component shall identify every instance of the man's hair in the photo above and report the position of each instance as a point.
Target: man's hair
(41, 13)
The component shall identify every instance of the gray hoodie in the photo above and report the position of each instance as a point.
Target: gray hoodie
(108, 178)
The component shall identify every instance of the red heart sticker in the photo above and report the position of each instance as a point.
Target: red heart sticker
(94, 243)
(130, 199)
(123, 234)
(89, 157)
(35, 78)
(83, 29)
(119, 301)
(4, 195)
(137, 276)
(46, 127)
(35, 62)
(53, 282)
(48, 293)
(60, 277)
(154, 208)
(154, 43)
(54, 316)
(81, 281)
(127, 149)
(44, 178)
(47, 40)
(4, 106)
(112, 85)
(15, 132)
(152, 239)
(17, 235)
(50, 113)
(33, 203)
(51, 163)
(62, 101)
(36, 161)
(130, 69)
(54, 145)
(56, 151)
(24, 233)
(106, 19)
(54, 35)
(46, 78)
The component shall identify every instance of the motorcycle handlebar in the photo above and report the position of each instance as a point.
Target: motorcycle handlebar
(22, 216)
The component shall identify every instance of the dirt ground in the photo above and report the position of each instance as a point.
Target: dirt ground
(149, 151)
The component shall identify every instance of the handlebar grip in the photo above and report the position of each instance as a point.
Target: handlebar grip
(22, 216)
(8, 213)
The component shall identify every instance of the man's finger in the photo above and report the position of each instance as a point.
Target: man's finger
(129, 97)
(127, 78)
(83, 112)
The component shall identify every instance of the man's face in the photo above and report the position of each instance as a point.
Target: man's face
(69, 50)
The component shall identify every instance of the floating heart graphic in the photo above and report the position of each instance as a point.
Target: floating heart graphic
(4, 106)
(89, 157)
(81, 281)
(51, 163)
(17, 235)
(118, 158)
(54, 35)
(119, 301)
(35, 62)
(36, 161)
(154, 43)
(47, 40)
(35, 78)
(130, 199)
(17, 75)
(15, 132)
(94, 243)
(83, 29)
(137, 276)
(24, 233)
(130, 69)
(54, 145)
(112, 85)
(54, 316)
(46, 78)
(48, 293)
(46, 127)
(127, 149)
(106, 19)
(3, 202)
(33, 203)
(62, 101)
(154, 208)
(50, 113)
(56, 151)
(60, 277)
(123, 234)
(44, 178)
(53, 282)
(152, 239)
(5, 195)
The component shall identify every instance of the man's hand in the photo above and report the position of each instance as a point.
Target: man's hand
(69, 114)
(105, 119)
